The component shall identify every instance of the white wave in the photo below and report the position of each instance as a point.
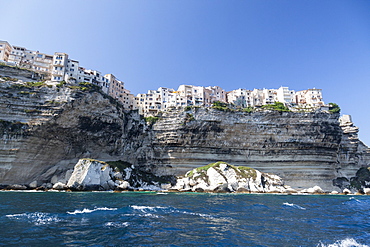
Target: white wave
(354, 199)
(87, 211)
(148, 212)
(348, 242)
(142, 208)
(37, 218)
(293, 205)
(116, 224)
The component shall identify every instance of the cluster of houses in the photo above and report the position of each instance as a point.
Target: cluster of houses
(59, 67)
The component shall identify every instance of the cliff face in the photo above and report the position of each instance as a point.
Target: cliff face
(46, 130)
(302, 148)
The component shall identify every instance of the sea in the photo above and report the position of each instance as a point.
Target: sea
(182, 219)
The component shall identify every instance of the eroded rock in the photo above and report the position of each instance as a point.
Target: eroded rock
(223, 177)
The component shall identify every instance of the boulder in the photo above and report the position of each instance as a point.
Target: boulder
(123, 185)
(346, 191)
(33, 185)
(59, 186)
(367, 191)
(17, 187)
(89, 174)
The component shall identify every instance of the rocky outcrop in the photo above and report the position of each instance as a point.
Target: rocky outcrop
(90, 174)
(223, 177)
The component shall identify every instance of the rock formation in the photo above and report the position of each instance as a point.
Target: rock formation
(223, 177)
(90, 174)
(47, 128)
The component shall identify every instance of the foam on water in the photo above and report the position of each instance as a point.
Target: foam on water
(348, 242)
(293, 205)
(145, 210)
(87, 211)
(116, 224)
(37, 218)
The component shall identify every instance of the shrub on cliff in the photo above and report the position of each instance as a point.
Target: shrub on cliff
(277, 106)
(221, 106)
(334, 108)
(151, 120)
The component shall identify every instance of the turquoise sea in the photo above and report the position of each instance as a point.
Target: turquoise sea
(182, 219)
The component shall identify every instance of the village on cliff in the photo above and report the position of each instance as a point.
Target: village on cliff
(59, 68)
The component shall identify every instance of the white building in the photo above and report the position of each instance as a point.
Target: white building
(5, 50)
(216, 94)
(59, 66)
(310, 97)
(240, 97)
(286, 96)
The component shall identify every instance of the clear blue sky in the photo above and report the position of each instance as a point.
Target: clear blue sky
(231, 43)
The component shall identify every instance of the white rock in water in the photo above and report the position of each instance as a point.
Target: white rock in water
(367, 191)
(123, 185)
(59, 186)
(346, 191)
(222, 177)
(90, 174)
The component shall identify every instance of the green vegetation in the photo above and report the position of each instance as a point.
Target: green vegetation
(61, 84)
(8, 78)
(241, 171)
(247, 172)
(248, 109)
(32, 111)
(187, 108)
(334, 108)
(35, 84)
(28, 85)
(85, 86)
(277, 106)
(151, 120)
(221, 106)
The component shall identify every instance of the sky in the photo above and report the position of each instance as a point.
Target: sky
(230, 43)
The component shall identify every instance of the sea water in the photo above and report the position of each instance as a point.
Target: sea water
(182, 219)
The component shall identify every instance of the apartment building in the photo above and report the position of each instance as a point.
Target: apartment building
(240, 97)
(5, 50)
(216, 93)
(311, 97)
(116, 88)
(286, 96)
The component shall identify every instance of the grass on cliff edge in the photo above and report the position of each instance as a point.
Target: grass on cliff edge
(241, 171)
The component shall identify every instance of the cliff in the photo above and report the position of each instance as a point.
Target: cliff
(46, 129)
